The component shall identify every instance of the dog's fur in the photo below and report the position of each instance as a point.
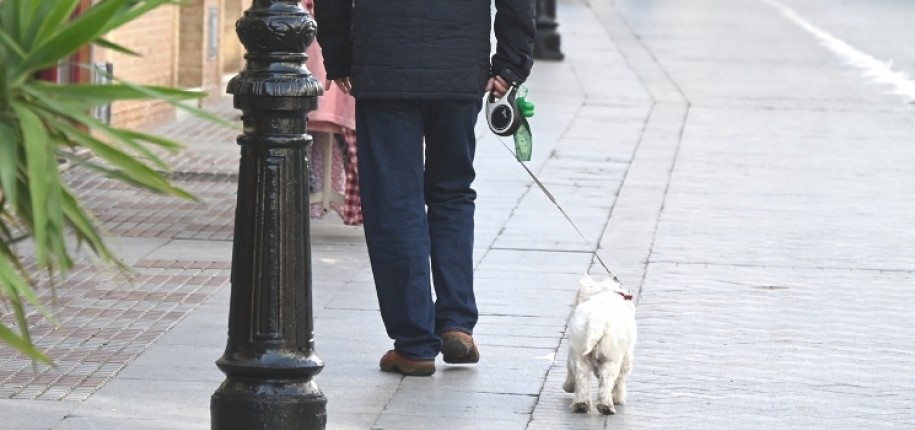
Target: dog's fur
(602, 336)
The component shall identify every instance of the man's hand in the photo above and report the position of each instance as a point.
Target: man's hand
(497, 86)
(343, 84)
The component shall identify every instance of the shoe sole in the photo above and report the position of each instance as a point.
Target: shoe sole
(454, 351)
(409, 372)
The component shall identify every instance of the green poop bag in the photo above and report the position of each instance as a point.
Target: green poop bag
(524, 141)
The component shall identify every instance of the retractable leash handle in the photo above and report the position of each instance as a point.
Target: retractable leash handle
(508, 115)
(503, 115)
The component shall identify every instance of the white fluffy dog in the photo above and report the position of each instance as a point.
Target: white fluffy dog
(602, 337)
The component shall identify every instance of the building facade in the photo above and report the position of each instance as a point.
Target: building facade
(191, 46)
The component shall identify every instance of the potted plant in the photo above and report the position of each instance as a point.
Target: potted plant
(41, 122)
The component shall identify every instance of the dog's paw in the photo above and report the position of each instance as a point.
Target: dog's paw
(569, 387)
(606, 409)
(582, 407)
(619, 395)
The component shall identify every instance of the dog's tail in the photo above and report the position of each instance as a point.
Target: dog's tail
(592, 338)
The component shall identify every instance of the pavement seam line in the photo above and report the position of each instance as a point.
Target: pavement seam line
(635, 151)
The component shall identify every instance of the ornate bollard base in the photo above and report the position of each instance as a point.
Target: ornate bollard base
(250, 405)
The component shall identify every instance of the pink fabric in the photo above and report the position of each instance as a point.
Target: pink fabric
(334, 106)
(336, 114)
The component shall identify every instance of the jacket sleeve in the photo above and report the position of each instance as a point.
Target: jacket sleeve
(335, 18)
(515, 31)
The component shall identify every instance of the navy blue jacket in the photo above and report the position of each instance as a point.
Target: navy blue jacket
(424, 49)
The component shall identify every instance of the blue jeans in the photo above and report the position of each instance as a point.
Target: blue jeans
(418, 210)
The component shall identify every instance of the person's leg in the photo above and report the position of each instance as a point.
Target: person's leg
(390, 141)
(450, 147)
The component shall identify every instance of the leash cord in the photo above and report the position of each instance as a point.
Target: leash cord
(549, 195)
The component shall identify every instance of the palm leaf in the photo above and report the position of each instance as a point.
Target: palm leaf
(86, 228)
(38, 119)
(9, 17)
(25, 16)
(11, 45)
(53, 19)
(93, 95)
(14, 287)
(80, 32)
(37, 154)
(9, 157)
(152, 92)
(66, 115)
(23, 344)
(129, 139)
(134, 10)
(105, 43)
(128, 166)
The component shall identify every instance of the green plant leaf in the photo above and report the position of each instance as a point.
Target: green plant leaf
(135, 9)
(134, 140)
(26, 10)
(82, 31)
(6, 236)
(53, 19)
(14, 287)
(99, 94)
(162, 142)
(199, 113)
(130, 138)
(9, 157)
(40, 119)
(23, 345)
(12, 45)
(86, 229)
(9, 17)
(38, 155)
(139, 173)
(105, 43)
(19, 287)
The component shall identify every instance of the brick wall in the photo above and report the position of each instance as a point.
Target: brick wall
(191, 44)
(153, 36)
(212, 65)
(197, 68)
(232, 50)
(174, 42)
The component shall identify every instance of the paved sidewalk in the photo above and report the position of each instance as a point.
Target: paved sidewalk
(751, 187)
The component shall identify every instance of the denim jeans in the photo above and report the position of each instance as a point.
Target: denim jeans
(415, 175)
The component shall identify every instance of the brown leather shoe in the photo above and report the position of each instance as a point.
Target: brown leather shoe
(458, 348)
(396, 363)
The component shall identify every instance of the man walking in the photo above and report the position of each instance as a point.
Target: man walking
(418, 70)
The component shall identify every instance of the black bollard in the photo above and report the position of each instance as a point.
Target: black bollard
(546, 45)
(269, 360)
